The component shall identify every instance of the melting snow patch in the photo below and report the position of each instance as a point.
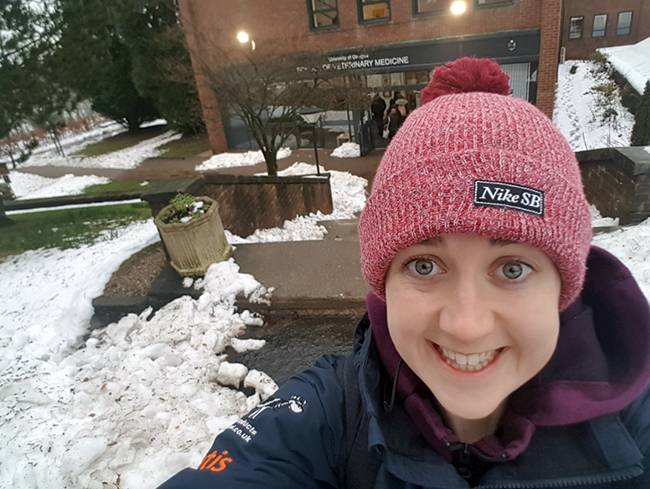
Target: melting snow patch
(30, 186)
(347, 150)
(125, 158)
(630, 245)
(130, 405)
(348, 199)
(229, 160)
(599, 221)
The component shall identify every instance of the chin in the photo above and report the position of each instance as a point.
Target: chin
(473, 410)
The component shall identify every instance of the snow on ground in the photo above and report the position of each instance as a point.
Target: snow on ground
(123, 159)
(632, 61)
(30, 186)
(347, 150)
(630, 245)
(230, 160)
(348, 199)
(598, 221)
(127, 406)
(578, 115)
(73, 142)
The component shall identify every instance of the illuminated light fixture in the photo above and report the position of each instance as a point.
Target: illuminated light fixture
(458, 7)
(242, 37)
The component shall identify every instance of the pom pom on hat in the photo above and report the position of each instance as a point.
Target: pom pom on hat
(466, 75)
(477, 161)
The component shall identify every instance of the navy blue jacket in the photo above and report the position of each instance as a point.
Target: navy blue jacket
(298, 437)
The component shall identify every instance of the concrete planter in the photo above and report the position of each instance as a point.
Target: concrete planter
(194, 246)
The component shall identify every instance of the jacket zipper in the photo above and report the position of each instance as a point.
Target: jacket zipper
(584, 481)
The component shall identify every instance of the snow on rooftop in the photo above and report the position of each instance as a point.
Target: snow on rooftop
(632, 61)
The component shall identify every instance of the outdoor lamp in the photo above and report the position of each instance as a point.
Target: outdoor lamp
(458, 7)
(244, 38)
(311, 116)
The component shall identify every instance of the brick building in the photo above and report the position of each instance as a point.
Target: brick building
(405, 40)
(587, 26)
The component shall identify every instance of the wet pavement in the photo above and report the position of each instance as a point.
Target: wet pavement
(294, 344)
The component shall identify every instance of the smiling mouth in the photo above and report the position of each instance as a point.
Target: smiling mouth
(473, 362)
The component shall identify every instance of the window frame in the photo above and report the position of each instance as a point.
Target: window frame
(603, 30)
(311, 13)
(417, 13)
(618, 23)
(362, 3)
(493, 4)
(582, 27)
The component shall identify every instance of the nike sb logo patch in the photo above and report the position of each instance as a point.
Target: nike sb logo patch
(508, 195)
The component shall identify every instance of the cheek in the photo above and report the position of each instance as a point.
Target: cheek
(407, 315)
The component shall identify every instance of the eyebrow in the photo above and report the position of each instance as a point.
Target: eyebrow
(440, 241)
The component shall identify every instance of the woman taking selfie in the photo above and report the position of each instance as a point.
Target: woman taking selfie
(499, 349)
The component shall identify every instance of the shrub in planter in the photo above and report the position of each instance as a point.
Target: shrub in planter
(193, 234)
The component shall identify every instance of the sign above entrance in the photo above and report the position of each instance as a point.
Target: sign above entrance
(504, 47)
(364, 61)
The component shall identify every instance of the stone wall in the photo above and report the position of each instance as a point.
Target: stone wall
(617, 182)
(247, 203)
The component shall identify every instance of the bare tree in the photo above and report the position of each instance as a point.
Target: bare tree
(268, 94)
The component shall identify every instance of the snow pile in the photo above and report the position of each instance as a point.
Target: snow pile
(630, 245)
(597, 220)
(633, 62)
(30, 186)
(73, 142)
(347, 150)
(578, 113)
(230, 160)
(125, 158)
(348, 199)
(135, 402)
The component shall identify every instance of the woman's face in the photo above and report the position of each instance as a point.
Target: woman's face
(475, 318)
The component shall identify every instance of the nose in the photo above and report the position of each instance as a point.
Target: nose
(467, 313)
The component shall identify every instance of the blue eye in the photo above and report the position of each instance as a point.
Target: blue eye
(514, 270)
(423, 267)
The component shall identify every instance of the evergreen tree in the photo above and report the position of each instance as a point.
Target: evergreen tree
(161, 64)
(641, 129)
(93, 61)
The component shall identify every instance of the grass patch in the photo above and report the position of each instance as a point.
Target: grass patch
(69, 228)
(185, 147)
(117, 187)
(121, 141)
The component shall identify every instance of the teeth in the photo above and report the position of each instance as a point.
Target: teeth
(467, 363)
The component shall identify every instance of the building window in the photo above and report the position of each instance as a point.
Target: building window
(492, 3)
(425, 7)
(600, 25)
(624, 23)
(323, 14)
(575, 27)
(373, 10)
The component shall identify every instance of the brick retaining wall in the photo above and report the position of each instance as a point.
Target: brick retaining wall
(617, 182)
(247, 203)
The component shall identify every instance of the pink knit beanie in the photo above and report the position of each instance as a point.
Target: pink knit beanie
(474, 160)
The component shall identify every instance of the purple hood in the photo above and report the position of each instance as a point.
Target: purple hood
(601, 364)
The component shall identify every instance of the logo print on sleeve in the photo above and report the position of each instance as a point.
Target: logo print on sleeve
(295, 404)
(215, 462)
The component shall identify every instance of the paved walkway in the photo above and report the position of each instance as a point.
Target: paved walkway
(311, 278)
(166, 168)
